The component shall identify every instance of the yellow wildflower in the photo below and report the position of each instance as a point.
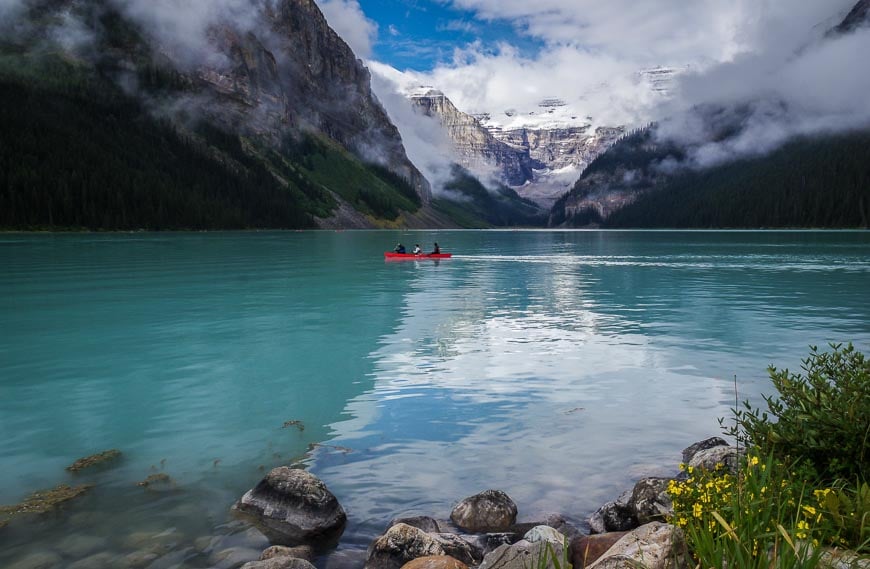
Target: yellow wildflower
(802, 527)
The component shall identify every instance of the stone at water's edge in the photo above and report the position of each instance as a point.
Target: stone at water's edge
(455, 546)
(692, 450)
(300, 552)
(726, 456)
(425, 523)
(489, 511)
(555, 521)
(279, 563)
(586, 549)
(483, 543)
(523, 555)
(652, 546)
(291, 507)
(544, 533)
(401, 543)
(435, 562)
(613, 516)
(650, 500)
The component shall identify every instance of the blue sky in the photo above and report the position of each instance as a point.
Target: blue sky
(418, 34)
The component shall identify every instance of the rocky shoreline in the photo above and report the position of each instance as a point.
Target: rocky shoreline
(299, 515)
(290, 520)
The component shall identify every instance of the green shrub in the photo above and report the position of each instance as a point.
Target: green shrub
(821, 417)
(846, 511)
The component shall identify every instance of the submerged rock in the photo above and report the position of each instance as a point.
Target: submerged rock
(291, 507)
(279, 563)
(96, 561)
(305, 552)
(156, 480)
(232, 557)
(78, 545)
(401, 543)
(94, 460)
(43, 501)
(489, 511)
(41, 560)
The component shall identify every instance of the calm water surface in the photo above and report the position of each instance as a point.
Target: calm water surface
(557, 366)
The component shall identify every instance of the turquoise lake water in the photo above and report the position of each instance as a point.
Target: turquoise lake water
(556, 366)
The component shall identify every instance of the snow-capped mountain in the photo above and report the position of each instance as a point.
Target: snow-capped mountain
(539, 151)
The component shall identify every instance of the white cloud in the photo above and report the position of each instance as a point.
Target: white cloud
(181, 26)
(477, 81)
(348, 20)
(768, 59)
(650, 32)
(784, 89)
(426, 143)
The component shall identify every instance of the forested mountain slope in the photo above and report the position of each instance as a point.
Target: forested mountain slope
(106, 124)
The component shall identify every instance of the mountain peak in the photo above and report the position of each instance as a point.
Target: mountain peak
(858, 17)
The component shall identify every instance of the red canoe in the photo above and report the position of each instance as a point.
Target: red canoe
(403, 256)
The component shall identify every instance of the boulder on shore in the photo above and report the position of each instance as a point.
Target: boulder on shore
(402, 543)
(586, 549)
(292, 507)
(435, 562)
(524, 555)
(280, 562)
(489, 511)
(650, 500)
(613, 516)
(425, 523)
(694, 449)
(726, 458)
(652, 546)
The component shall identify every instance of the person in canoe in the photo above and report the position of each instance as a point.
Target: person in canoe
(399, 248)
(417, 250)
(437, 250)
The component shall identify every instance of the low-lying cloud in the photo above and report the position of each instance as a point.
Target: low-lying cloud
(760, 100)
(426, 143)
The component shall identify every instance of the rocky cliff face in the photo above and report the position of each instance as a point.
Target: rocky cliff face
(562, 153)
(477, 148)
(276, 73)
(298, 74)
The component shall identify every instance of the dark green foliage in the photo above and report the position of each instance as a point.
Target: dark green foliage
(820, 417)
(477, 206)
(637, 150)
(584, 218)
(369, 188)
(806, 183)
(75, 152)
